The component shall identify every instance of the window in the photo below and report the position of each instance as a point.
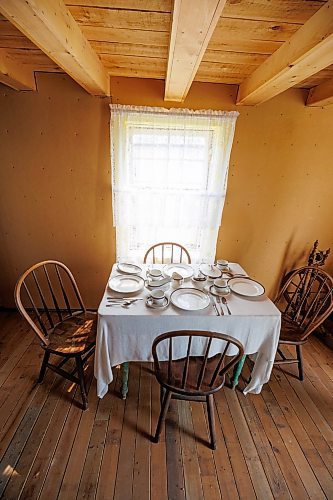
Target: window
(169, 173)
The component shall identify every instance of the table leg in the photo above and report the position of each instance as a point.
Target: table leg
(237, 371)
(124, 379)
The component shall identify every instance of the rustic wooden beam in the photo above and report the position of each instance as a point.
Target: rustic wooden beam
(193, 23)
(50, 26)
(308, 51)
(322, 95)
(15, 75)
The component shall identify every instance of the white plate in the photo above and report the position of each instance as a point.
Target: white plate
(210, 271)
(126, 268)
(150, 303)
(246, 287)
(185, 270)
(190, 299)
(126, 284)
(219, 293)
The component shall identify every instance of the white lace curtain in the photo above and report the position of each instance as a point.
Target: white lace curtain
(169, 178)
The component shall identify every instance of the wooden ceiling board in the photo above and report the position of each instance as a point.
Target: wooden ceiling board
(213, 72)
(120, 35)
(129, 49)
(16, 42)
(142, 5)
(247, 29)
(36, 58)
(135, 66)
(242, 45)
(222, 57)
(116, 18)
(280, 11)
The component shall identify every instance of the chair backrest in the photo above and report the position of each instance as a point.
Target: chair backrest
(167, 252)
(46, 295)
(194, 363)
(306, 299)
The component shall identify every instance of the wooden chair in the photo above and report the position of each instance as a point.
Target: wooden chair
(305, 301)
(194, 377)
(47, 296)
(167, 252)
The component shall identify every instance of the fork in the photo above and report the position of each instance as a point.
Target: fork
(124, 303)
(218, 300)
(224, 301)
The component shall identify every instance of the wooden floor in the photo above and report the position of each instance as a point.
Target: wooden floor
(278, 444)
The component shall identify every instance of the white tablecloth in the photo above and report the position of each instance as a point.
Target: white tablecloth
(127, 334)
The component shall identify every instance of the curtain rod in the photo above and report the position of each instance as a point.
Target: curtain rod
(172, 111)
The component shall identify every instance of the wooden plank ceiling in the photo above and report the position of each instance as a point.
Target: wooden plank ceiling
(131, 38)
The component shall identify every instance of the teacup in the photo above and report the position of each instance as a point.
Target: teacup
(154, 274)
(157, 297)
(221, 285)
(222, 264)
(177, 280)
(199, 281)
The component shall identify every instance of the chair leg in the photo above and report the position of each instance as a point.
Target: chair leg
(211, 420)
(124, 379)
(80, 372)
(161, 419)
(162, 394)
(237, 371)
(300, 361)
(43, 367)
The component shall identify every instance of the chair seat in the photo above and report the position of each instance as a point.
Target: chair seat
(194, 367)
(74, 336)
(290, 331)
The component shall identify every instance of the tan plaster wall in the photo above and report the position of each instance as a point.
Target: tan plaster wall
(55, 180)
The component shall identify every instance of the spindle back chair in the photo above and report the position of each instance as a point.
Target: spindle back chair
(48, 298)
(305, 301)
(194, 369)
(167, 252)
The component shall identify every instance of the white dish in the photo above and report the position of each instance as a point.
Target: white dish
(163, 284)
(190, 299)
(152, 305)
(185, 270)
(219, 293)
(246, 287)
(126, 284)
(210, 271)
(126, 268)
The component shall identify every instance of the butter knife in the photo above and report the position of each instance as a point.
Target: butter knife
(214, 305)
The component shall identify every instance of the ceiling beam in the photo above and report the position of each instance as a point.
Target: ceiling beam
(14, 74)
(322, 95)
(193, 23)
(50, 26)
(308, 51)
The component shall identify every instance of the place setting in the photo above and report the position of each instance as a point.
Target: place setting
(157, 300)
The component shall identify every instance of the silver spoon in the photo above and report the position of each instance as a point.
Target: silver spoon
(224, 301)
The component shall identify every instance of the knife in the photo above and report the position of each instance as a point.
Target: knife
(124, 298)
(214, 305)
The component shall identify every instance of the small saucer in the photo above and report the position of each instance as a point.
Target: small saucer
(217, 293)
(150, 303)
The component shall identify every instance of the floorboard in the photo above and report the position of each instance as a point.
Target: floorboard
(277, 444)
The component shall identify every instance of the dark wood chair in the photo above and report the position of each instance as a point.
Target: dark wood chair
(167, 252)
(47, 296)
(305, 301)
(198, 374)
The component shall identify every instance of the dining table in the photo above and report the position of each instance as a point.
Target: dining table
(126, 330)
